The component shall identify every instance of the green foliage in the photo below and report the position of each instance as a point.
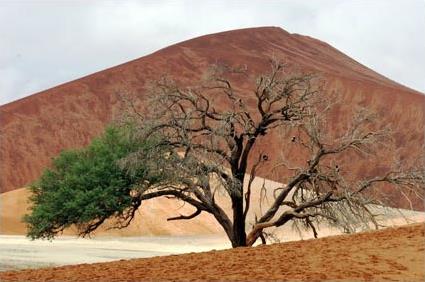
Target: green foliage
(86, 186)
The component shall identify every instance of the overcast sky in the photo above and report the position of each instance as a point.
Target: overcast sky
(46, 43)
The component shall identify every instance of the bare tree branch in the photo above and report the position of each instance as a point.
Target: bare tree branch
(193, 215)
(209, 133)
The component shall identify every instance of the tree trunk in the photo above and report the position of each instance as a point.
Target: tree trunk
(239, 235)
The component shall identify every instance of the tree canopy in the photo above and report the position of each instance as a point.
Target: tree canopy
(86, 186)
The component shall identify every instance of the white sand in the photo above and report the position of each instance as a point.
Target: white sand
(20, 252)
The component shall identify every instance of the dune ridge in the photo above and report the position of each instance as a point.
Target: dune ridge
(38, 127)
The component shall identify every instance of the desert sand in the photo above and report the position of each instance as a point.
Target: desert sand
(18, 252)
(150, 234)
(393, 254)
(38, 127)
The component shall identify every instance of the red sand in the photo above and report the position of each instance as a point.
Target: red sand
(36, 128)
(394, 254)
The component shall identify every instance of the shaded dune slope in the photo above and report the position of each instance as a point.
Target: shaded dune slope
(36, 128)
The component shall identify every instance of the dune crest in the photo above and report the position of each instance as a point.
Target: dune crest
(36, 128)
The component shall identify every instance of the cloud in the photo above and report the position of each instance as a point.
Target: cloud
(48, 43)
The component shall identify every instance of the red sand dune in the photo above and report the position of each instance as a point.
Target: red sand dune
(393, 254)
(36, 128)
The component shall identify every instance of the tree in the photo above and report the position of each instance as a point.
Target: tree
(85, 187)
(211, 129)
(208, 132)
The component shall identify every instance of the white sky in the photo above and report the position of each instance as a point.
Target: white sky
(46, 43)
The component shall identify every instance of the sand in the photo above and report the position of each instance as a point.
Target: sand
(151, 219)
(18, 252)
(149, 235)
(38, 127)
(393, 254)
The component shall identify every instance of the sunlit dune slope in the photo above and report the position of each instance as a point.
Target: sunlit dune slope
(393, 254)
(151, 219)
(36, 128)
